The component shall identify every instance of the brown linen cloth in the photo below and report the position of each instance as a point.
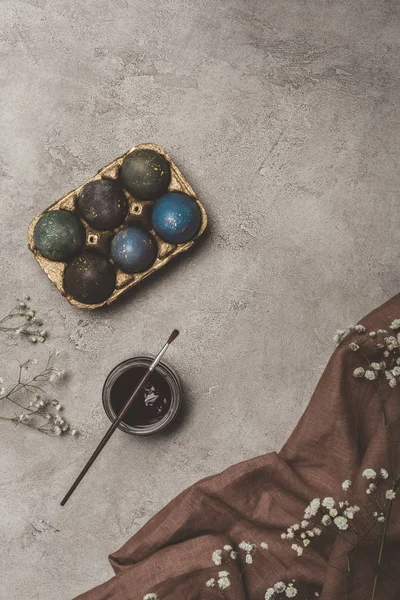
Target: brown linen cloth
(341, 433)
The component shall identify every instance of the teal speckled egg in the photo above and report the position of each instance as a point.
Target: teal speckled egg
(59, 235)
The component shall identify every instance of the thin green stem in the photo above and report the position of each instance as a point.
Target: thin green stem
(348, 574)
(381, 548)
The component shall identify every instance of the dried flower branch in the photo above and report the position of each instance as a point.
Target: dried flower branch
(22, 321)
(37, 409)
(382, 372)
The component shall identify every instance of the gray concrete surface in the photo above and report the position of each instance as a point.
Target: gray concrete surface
(284, 115)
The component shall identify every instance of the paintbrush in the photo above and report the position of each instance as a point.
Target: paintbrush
(120, 417)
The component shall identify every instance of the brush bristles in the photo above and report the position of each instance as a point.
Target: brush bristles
(173, 336)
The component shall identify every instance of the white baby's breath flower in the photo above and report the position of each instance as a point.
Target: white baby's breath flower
(359, 372)
(290, 591)
(393, 382)
(341, 523)
(298, 549)
(233, 555)
(249, 559)
(310, 533)
(372, 334)
(303, 536)
(73, 432)
(304, 524)
(333, 512)
(283, 536)
(376, 366)
(279, 587)
(306, 543)
(312, 508)
(354, 347)
(390, 495)
(369, 474)
(360, 328)
(326, 520)
(150, 597)
(246, 546)
(23, 418)
(210, 582)
(372, 487)
(339, 335)
(328, 502)
(217, 557)
(296, 527)
(223, 574)
(223, 583)
(384, 474)
(381, 519)
(227, 548)
(346, 484)
(370, 375)
(269, 593)
(396, 371)
(290, 535)
(395, 324)
(317, 531)
(264, 546)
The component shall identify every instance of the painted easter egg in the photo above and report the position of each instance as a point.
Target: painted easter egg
(133, 250)
(89, 277)
(102, 204)
(145, 174)
(176, 218)
(59, 235)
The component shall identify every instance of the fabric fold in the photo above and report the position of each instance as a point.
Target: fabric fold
(341, 433)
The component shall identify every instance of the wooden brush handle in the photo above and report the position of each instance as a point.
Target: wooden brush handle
(107, 436)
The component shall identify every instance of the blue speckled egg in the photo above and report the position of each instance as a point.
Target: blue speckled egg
(176, 218)
(133, 250)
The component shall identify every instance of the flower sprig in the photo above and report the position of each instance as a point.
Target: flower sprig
(244, 552)
(22, 321)
(385, 369)
(33, 404)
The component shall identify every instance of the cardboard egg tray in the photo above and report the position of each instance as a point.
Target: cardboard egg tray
(138, 212)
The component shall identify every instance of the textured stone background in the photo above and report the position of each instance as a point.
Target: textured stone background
(284, 115)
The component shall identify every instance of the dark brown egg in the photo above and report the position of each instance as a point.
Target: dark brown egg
(90, 278)
(102, 204)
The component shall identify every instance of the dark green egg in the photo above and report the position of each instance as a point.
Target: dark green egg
(89, 278)
(103, 204)
(59, 235)
(145, 174)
